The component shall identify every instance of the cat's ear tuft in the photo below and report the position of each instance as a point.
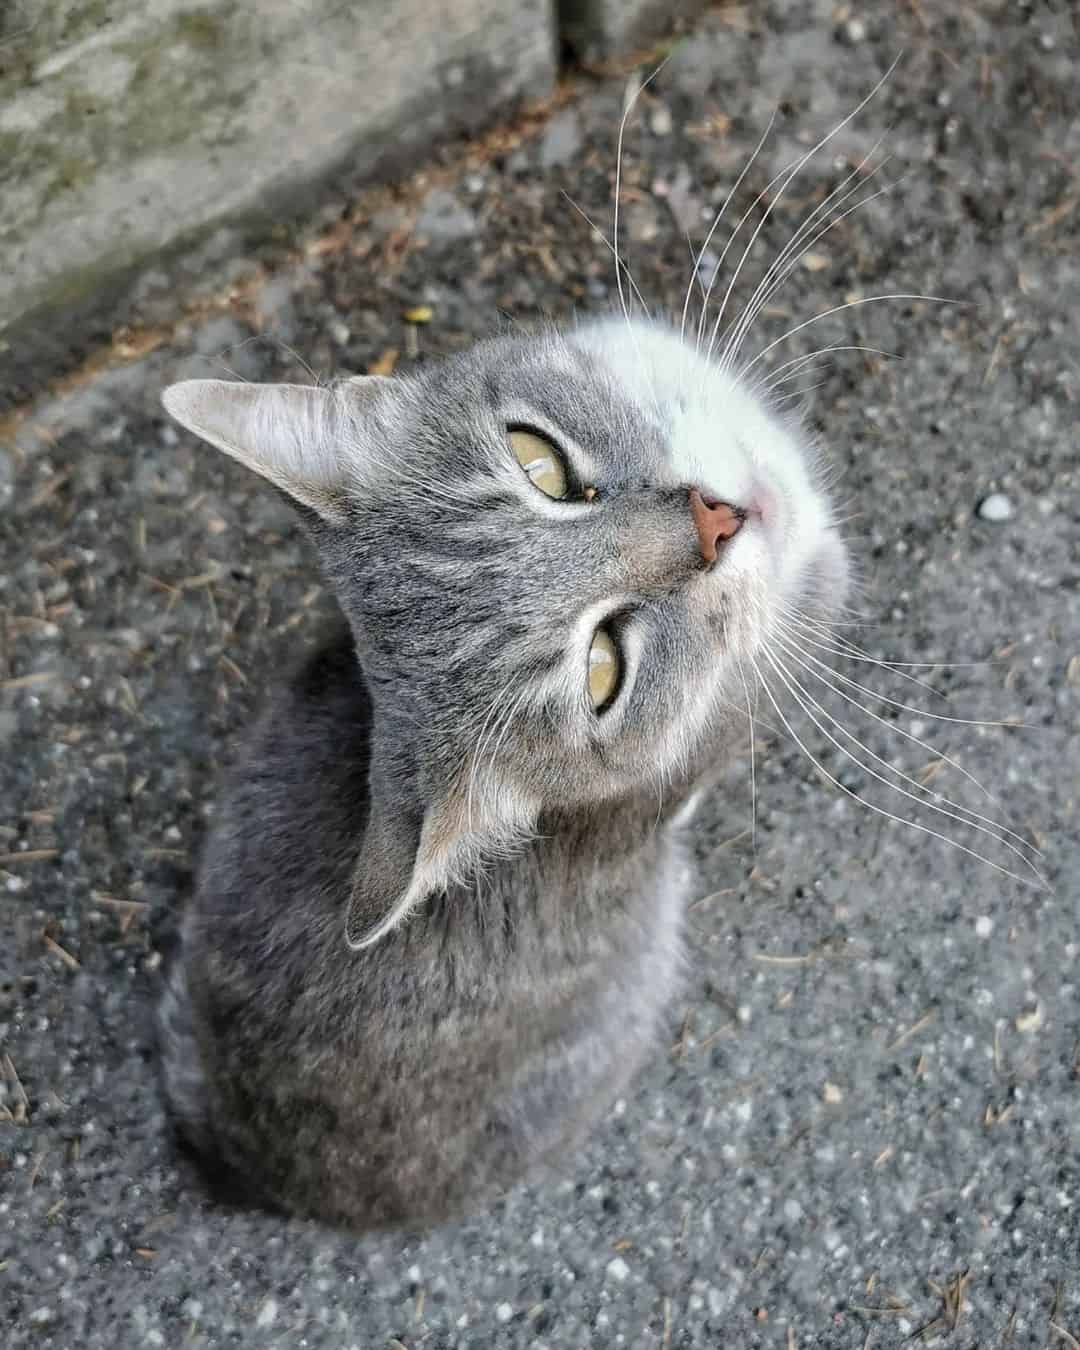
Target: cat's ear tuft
(296, 436)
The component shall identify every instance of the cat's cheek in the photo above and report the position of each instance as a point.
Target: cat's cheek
(828, 581)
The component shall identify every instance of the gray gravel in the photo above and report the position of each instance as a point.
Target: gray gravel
(873, 1087)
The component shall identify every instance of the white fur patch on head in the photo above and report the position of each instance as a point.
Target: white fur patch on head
(721, 439)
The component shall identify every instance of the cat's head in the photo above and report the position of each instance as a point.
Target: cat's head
(562, 556)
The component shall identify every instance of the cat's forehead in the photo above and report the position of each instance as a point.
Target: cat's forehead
(548, 375)
(636, 379)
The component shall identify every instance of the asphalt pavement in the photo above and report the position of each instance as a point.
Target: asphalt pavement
(864, 1125)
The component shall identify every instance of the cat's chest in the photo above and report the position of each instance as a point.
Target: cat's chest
(620, 950)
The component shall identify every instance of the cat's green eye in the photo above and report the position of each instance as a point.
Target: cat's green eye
(604, 669)
(541, 461)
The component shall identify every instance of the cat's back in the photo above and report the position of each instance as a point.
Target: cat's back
(299, 789)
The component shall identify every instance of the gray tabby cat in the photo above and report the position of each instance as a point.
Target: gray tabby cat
(438, 920)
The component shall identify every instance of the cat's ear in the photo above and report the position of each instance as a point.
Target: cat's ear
(405, 858)
(297, 436)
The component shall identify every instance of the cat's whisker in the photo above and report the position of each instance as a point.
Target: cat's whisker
(767, 381)
(739, 335)
(800, 393)
(780, 266)
(631, 103)
(837, 645)
(291, 351)
(599, 233)
(839, 309)
(707, 290)
(753, 762)
(795, 250)
(808, 703)
(856, 653)
(880, 810)
(788, 176)
(893, 727)
(919, 712)
(505, 726)
(695, 275)
(809, 369)
(659, 788)
(493, 708)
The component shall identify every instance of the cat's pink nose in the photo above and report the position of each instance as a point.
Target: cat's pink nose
(715, 522)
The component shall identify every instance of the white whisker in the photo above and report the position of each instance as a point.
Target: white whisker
(788, 177)
(798, 361)
(837, 645)
(880, 810)
(839, 309)
(807, 702)
(783, 264)
(708, 239)
(922, 712)
(609, 246)
(631, 103)
(753, 765)
(909, 736)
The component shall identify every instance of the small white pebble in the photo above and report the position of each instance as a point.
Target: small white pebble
(997, 507)
(618, 1269)
(832, 1094)
(984, 926)
(340, 332)
(855, 30)
(504, 1312)
(267, 1313)
(1031, 1020)
(661, 121)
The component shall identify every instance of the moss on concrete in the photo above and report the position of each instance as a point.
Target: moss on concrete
(127, 125)
(201, 29)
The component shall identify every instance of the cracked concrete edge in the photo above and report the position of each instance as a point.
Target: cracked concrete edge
(130, 133)
(600, 30)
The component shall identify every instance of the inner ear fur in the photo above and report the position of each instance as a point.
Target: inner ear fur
(308, 440)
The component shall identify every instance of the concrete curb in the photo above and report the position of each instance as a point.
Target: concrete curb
(130, 130)
(597, 30)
